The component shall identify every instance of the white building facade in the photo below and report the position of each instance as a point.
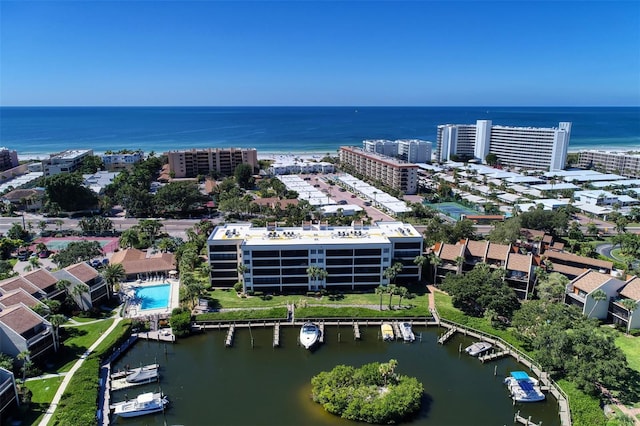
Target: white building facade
(65, 162)
(278, 259)
(410, 150)
(532, 148)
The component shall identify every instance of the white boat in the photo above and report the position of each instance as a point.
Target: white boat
(478, 348)
(523, 388)
(145, 403)
(309, 334)
(143, 376)
(387, 331)
(407, 332)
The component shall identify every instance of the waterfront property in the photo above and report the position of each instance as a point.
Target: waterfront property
(411, 150)
(8, 392)
(21, 329)
(150, 298)
(279, 258)
(138, 264)
(624, 163)
(65, 162)
(534, 148)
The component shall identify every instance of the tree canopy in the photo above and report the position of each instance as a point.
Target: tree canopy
(480, 290)
(77, 251)
(373, 393)
(66, 191)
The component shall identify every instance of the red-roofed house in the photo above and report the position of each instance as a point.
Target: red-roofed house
(136, 264)
(21, 329)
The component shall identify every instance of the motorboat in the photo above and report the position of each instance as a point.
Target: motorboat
(145, 403)
(478, 348)
(143, 376)
(407, 332)
(387, 331)
(309, 334)
(523, 388)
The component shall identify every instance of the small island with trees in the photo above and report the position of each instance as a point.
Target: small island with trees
(373, 393)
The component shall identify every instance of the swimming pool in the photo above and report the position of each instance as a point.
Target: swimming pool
(153, 296)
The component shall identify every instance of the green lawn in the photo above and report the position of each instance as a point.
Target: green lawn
(229, 299)
(631, 347)
(42, 394)
(77, 340)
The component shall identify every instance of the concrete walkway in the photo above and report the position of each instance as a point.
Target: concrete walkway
(67, 378)
(46, 376)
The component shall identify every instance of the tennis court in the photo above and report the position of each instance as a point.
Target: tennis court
(56, 244)
(453, 210)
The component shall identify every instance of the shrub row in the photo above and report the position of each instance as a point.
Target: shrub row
(243, 315)
(353, 312)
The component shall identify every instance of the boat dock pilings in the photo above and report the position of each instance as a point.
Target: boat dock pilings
(276, 335)
(356, 331)
(229, 340)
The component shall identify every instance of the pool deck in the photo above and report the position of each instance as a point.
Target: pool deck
(134, 311)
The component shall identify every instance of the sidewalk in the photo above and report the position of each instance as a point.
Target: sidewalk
(67, 378)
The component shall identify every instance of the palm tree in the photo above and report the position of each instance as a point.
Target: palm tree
(402, 292)
(597, 296)
(316, 274)
(42, 225)
(34, 263)
(392, 271)
(56, 321)
(420, 261)
(391, 289)
(435, 261)
(381, 290)
(459, 262)
(113, 274)
(25, 357)
(78, 292)
(630, 305)
(129, 238)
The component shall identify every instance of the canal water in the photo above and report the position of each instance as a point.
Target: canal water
(209, 384)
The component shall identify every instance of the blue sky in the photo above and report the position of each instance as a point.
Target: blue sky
(540, 53)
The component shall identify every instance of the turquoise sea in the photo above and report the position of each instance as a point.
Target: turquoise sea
(37, 131)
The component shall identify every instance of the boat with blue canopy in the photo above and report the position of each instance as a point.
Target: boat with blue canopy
(523, 388)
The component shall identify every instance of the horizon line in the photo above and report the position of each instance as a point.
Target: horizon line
(320, 106)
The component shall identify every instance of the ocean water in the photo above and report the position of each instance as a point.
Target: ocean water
(37, 131)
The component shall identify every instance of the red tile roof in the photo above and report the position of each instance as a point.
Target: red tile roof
(82, 271)
(19, 318)
(41, 278)
(17, 296)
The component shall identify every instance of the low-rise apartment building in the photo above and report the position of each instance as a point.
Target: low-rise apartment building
(8, 393)
(21, 329)
(8, 159)
(194, 162)
(116, 162)
(390, 172)
(65, 162)
(279, 258)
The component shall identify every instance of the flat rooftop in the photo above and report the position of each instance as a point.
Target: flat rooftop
(311, 234)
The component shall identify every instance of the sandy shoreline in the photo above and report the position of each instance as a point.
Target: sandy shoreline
(319, 155)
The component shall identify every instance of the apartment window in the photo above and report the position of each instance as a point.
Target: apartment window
(385, 250)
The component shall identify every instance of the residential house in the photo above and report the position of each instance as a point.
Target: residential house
(572, 265)
(15, 283)
(450, 256)
(21, 329)
(17, 296)
(621, 315)
(580, 293)
(83, 274)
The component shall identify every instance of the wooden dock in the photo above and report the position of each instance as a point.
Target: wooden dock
(446, 336)
(229, 340)
(321, 326)
(123, 384)
(356, 331)
(276, 335)
(517, 418)
(493, 355)
(396, 330)
(162, 335)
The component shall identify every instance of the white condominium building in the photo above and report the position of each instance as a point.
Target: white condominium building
(278, 258)
(537, 148)
(194, 162)
(65, 162)
(121, 160)
(391, 172)
(411, 150)
(622, 163)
